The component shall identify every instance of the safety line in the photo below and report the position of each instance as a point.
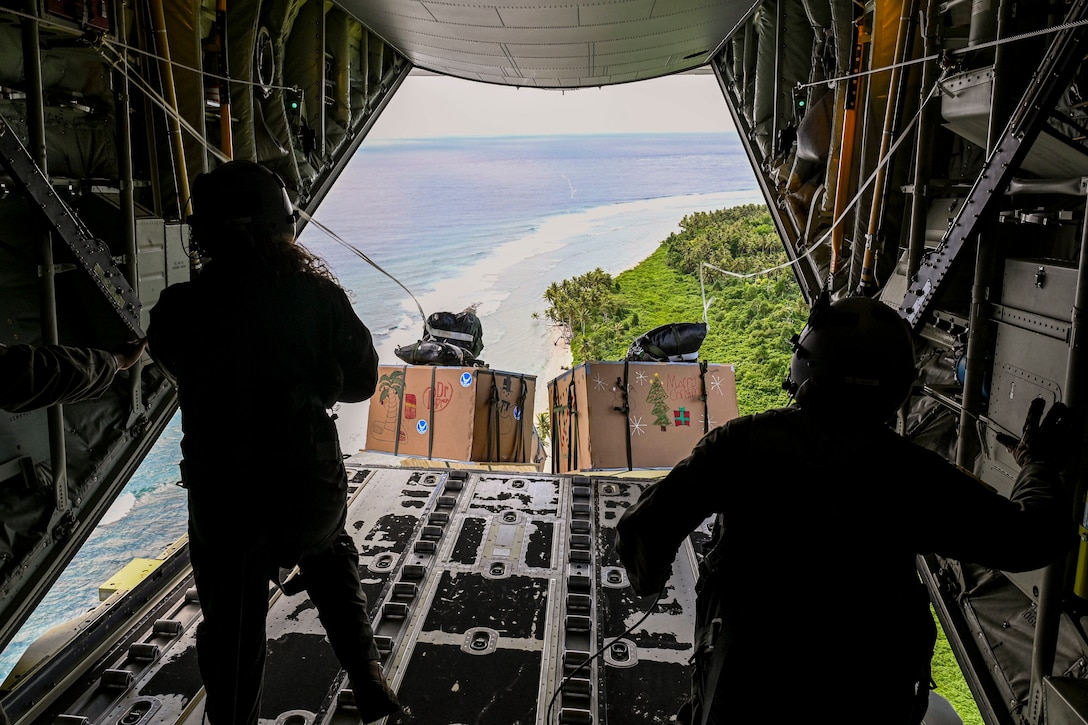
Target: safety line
(122, 65)
(952, 52)
(903, 135)
(362, 255)
(99, 38)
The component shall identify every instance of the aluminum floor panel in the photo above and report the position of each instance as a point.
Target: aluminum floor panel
(489, 593)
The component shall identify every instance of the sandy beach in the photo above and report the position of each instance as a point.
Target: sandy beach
(507, 287)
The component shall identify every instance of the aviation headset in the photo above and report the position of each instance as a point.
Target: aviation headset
(240, 196)
(856, 354)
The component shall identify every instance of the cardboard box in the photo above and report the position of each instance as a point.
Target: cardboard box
(627, 415)
(454, 413)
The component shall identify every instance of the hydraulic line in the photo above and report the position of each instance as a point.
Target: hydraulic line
(868, 283)
(846, 148)
(226, 135)
(166, 67)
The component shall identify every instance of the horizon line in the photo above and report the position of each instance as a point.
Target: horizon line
(723, 132)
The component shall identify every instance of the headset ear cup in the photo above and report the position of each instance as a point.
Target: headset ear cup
(854, 355)
(243, 196)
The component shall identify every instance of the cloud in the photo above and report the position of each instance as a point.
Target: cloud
(427, 106)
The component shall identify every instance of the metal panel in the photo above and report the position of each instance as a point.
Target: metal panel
(1041, 286)
(483, 40)
(495, 598)
(1030, 365)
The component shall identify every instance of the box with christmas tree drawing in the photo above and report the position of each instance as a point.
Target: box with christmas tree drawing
(628, 415)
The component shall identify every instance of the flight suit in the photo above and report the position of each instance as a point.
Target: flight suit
(259, 359)
(809, 600)
(34, 376)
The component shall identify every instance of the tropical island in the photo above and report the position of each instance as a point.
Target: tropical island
(750, 319)
(731, 263)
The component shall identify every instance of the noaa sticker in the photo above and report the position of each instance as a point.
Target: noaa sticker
(466, 380)
(421, 426)
(517, 413)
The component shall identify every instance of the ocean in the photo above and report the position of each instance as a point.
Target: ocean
(489, 222)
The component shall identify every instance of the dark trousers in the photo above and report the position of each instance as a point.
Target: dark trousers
(234, 590)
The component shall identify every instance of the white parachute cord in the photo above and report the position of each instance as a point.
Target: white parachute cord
(903, 135)
(950, 53)
(706, 303)
(121, 64)
(113, 43)
(362, 255)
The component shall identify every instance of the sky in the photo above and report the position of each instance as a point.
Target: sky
(426, 106)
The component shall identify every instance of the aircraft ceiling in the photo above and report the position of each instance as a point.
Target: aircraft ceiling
(554, 43)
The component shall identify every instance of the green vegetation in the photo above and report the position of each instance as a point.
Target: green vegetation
(950, 683)
(544, 426)
(751, 321)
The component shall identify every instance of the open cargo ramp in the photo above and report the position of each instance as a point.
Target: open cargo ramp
(487, 590)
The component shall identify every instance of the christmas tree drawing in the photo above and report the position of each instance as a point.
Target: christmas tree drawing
(657, 397)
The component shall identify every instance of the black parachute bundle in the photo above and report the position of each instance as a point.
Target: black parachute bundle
(462, 329)
(433, 352)
(449, 338)
(674, 342)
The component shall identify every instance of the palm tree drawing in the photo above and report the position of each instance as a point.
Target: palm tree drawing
(390, 385)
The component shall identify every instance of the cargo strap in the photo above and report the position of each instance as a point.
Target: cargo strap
(626, 410)
(572, 427)
(434, 416)
(717, 640)
(703, 396)
(494, 444)
(519, 439)
(554, 427)
(400, 412)
(626, 407)
(494, 430)
(715, 636)
(451, 334)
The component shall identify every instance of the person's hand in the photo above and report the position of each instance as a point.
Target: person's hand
(648, 567)
(128, 353)
(1048, 442)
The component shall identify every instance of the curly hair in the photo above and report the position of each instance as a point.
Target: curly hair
(243, 254)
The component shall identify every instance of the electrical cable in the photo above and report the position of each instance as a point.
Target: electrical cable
(600, 652)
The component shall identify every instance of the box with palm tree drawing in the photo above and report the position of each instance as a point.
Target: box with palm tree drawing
(628, 415)
(452, 413)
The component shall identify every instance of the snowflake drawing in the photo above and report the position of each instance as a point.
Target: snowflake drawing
(711, 424)
(599, 383)
(716, 384)
(641, 378)
(637, 426)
